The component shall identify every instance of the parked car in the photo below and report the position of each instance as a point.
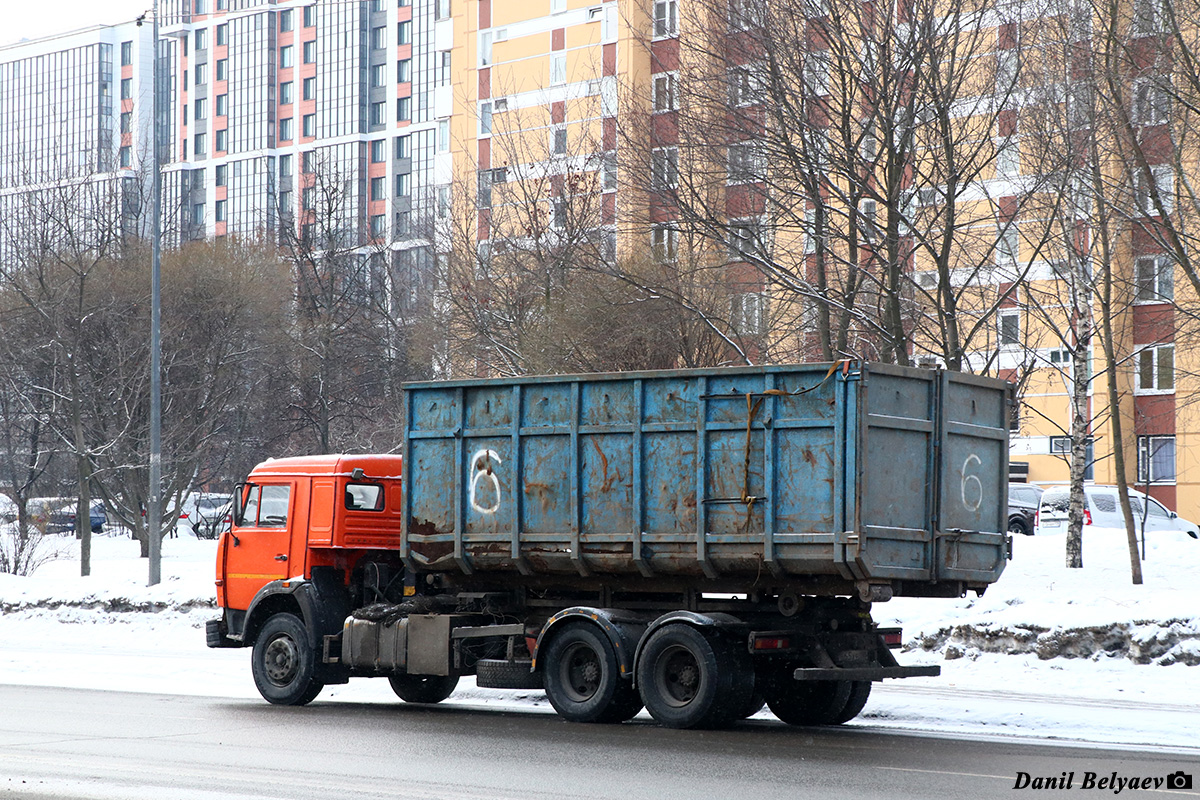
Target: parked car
(211, 525)
(61, 518)
(1103, 510)
(1023, 499)
(206, 513)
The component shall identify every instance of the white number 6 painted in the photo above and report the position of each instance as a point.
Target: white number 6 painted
(967, 479)
(481, 468)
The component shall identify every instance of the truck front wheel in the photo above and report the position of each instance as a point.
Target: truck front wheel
(283, 664)
(423, 688)
(582, 677)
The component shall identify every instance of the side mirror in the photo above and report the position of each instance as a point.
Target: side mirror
(1173, 515)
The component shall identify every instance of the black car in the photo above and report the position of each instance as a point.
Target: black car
(1023, 499)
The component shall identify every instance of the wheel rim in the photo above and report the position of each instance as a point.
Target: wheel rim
(581, 671)
(281, 660)
(677, 676)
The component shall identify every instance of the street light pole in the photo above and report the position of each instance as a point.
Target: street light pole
(154, 496)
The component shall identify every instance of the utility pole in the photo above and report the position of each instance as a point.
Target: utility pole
(154, 496)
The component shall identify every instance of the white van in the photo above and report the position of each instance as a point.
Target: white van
(1103, 510)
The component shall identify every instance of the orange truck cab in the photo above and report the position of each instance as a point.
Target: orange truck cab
(301, 528)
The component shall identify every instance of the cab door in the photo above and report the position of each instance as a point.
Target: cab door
(258, 547)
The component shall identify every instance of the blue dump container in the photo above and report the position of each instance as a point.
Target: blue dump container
(823, 479)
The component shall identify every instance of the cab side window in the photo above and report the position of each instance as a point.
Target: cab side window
(364, 497)
(266, 507)
(274, 510)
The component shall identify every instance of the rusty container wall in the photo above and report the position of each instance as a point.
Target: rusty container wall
(864, 473)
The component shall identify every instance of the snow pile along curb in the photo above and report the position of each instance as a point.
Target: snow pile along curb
(1161, 642)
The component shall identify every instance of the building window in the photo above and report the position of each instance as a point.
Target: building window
(1156, 369)
(222, 69)
(485, 49)
(664, 168)
(745, 15)
(285, 202)
(666, 18)
(378, 188)
(608, 169)
(485, 119)
(443, 140)
(403, 219)
(222, 171)
(443, 202)
(379, 37)
(1155, 280)
(219, 210)
(201, 108)
(198, 213)
(1151, 103)
(378, 151)
(286, 57)
(745, 239)
(310, 52)
(285, 20)
(286, 132)
(201, 74)
(403, 70)
(222, 105)
(441, 9)
(308, 162)
(309, 88)
(1008, 248)
(378, 111)
(310, 125)
(310, 16)
(559, 141)
(403, 33)
(285, 165)
(378, 225)
(126, 121)
(746, 162)
(558, 69)
(379, 75)
(307, 198)
(1156, 459)
(201, 145)
(285, 93)
(403, 147)
(222, 34)
(221, 141)
(663, 240)
(1008, 326)
(403, 184)
(201, 39)
(126, 88)
(558, 6)
(126, 156)
(126, 53)
(664, 91)
(1163, 184)
(748, 313)
(403, 106)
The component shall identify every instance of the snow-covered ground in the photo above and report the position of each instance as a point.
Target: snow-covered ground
(1047, 653)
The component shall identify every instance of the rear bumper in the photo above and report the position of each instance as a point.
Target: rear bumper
(864, 673)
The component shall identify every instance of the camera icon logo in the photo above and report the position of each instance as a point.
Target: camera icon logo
(1179, 780)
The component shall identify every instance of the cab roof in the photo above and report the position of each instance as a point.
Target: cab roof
(373, 466)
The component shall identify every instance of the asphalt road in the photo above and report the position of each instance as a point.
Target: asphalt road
(62, 743)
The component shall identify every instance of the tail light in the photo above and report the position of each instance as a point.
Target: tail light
(1087, 517)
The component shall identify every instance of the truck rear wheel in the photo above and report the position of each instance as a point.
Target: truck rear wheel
(859, 692)
(809, 702)
(694, 679)
(283, 664)
(583, 679)
(423, 688)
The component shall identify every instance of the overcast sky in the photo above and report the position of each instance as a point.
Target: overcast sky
(30, 19)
